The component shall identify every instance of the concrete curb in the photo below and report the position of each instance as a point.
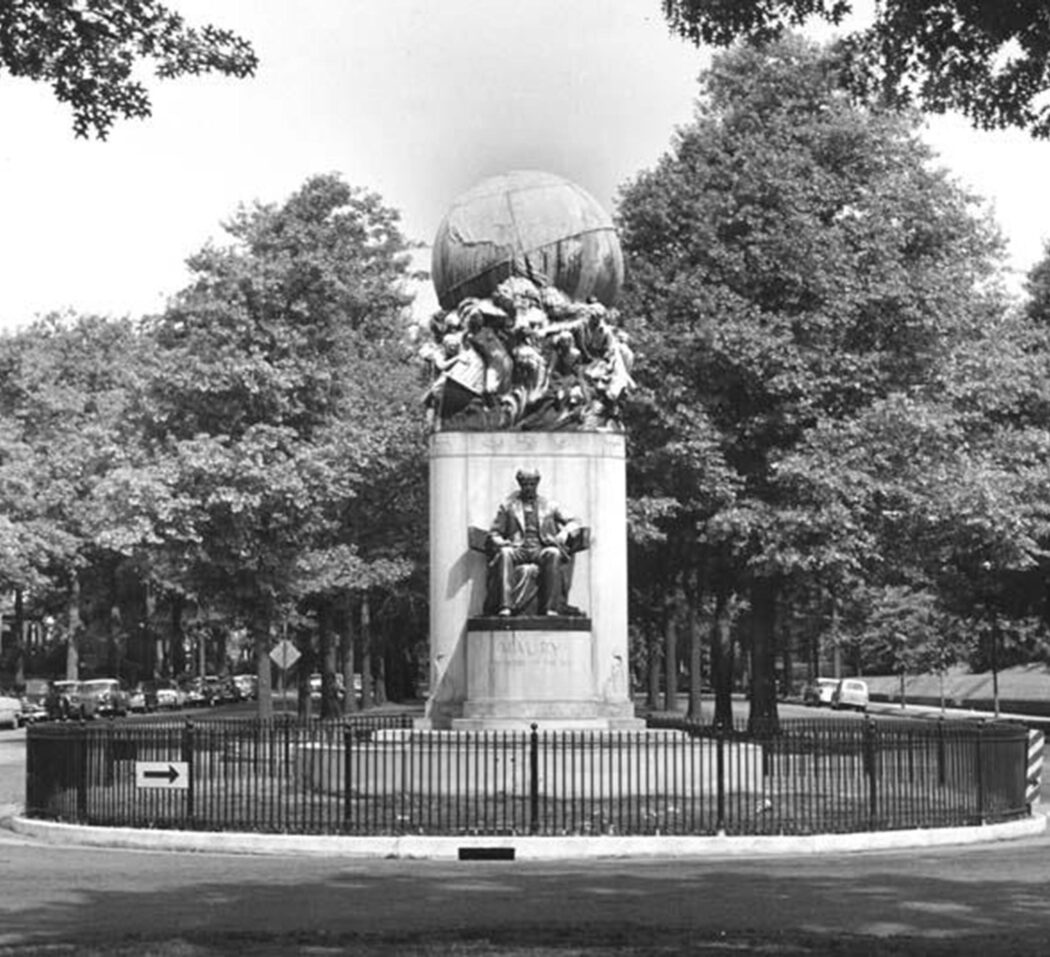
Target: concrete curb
(518, 848)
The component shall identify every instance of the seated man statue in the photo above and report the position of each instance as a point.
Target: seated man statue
(530, 546)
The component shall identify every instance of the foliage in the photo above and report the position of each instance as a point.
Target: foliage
(88, 50)
(989, 59)
(799, 270)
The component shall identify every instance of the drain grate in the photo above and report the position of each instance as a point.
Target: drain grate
(486, 853)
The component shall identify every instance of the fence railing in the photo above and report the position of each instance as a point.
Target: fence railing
(378, 776)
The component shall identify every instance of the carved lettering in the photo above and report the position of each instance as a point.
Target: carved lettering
(515, 648)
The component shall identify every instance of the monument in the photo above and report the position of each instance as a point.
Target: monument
(529, 370)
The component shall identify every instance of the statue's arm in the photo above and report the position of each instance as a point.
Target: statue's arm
(499, 529)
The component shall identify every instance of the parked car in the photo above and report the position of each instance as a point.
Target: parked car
(102, 696)
(168, 698)
(193, 690)
(10, 711)
(819, 692)
(32, 711)
(143, 698)
(851, 693)
(247, 686)
(211, 686)
(35, 700)
(315, 687)
(62, 701)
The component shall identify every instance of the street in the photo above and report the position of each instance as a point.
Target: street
(982, 899)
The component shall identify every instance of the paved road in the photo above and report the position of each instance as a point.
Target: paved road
(988, 900)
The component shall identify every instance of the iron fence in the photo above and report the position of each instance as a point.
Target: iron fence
(371, 775)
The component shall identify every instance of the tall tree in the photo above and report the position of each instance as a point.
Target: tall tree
(794, 259)
(88, 51)
(277, 364)
(988, 59)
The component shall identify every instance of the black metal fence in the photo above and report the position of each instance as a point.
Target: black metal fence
(378, 776)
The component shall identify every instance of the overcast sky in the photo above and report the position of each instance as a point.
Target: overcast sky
(415, 99)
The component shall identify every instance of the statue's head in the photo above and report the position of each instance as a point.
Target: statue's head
(528, 479)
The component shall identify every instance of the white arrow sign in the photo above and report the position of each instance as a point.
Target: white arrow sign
(162, 774)
(284, 654)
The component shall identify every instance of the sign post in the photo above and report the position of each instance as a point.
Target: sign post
(284, 655)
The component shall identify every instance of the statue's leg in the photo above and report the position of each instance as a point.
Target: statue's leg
(550, 598)
(503, 578)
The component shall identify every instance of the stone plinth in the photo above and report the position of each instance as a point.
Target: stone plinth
(471, 473)
(523, 671)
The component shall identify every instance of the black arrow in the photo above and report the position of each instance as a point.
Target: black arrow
(171, 774)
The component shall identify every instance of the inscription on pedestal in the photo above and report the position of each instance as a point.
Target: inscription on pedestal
(525, 649)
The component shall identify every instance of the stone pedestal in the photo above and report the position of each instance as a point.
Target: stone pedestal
(557, 672)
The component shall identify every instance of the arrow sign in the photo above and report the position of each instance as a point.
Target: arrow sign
(162, 774)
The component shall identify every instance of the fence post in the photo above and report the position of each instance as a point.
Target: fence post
(871, 767)
(82, 772)
(187, 756)
(940, 751)
(534, 779)
(980, 772)
(720, 775)
(348, 743)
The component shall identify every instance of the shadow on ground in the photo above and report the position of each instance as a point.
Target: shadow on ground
(990, 901)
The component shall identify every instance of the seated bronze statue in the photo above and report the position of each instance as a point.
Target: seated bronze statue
(530, 546)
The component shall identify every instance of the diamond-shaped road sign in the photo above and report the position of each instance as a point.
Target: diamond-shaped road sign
(284, 654)
(162, 774)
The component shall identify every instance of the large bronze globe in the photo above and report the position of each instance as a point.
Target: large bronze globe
(532, 224)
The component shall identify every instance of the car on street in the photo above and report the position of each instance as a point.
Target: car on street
(143, 698)
(102, 697)
(819, 692)
(247, 686)
(10, 711)
(62, 699)
(168, 697)
(315, 687)
(851, 693)
(193, 692)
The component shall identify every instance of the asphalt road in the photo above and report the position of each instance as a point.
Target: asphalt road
(989, 900)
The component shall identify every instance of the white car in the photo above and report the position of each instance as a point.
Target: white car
(851, 693)
(10, 712)
(820, 692)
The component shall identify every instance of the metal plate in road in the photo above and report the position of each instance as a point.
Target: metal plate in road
(162, 774)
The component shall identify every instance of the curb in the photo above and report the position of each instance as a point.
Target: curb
(416, 847)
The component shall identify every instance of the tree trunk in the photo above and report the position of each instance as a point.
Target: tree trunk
(763, 694)
(73, 638)
(671, 652)
(722, 661)
(329, 692)
(367, 699)
(262, 622)
(304, 668)
(652, 700)
(20, 639)
(350, 703)
(696, 656)
(178, 637)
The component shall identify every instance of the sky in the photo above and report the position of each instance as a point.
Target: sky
(415, 99)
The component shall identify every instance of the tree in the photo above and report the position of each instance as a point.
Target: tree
(989, 59)
(87, 50)
(66, 392)
(793, 260)
(282, 383)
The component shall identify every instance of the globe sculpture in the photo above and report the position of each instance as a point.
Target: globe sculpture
(530, 224)
(530, 370)
(526, 267)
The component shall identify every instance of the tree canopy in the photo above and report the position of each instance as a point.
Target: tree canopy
(799, 268)
(988, 59)
(88, 52)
